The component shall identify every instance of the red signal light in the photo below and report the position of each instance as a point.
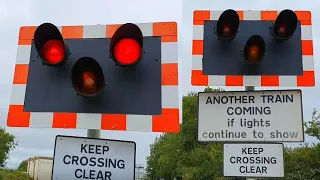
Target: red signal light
(50, 45)
(87, 77)
(285, 25)
(127, 51)
(53, 51)
(126, 45)
(282, 28)
(226, 32)
(254, 50)
(227, 25)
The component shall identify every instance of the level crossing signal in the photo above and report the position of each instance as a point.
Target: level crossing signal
(112, 77)
(252, 48)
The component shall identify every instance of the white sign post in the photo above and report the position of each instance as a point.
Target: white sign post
(255, 116)
(87, 158)
(253, 160)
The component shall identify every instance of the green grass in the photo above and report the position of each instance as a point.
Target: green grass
(7, 174)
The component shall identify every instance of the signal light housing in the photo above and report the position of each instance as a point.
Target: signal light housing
(254, 50)
(142, 98)
(126, 45)
(257, 48)
(87, 77)
(50, 45)
(227, 25)
(285, 25)
(61, 89)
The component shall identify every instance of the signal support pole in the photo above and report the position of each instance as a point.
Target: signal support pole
(93, 133)
(250, 88)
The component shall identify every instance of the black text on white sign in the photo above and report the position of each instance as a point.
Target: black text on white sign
(253, 160)
(251, 116)
(83, 158)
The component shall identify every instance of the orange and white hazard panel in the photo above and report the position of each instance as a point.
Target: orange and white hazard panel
(60, 103)
(218, 61)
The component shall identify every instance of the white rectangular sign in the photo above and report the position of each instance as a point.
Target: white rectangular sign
(87, 158)
(253, 160)
(274, 116)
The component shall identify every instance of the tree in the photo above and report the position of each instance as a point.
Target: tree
(180, 154)
(313, 126)
(7, 144)
(301, 162)
(23, 166)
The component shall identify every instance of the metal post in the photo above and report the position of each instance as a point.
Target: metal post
(93, 133)
(250, 88)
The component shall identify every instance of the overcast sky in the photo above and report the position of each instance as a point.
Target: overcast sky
(16, 13)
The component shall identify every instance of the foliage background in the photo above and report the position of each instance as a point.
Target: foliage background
(6, 174)
(7, 144)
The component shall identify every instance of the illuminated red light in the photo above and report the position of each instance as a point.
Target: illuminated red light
(127, 51)
(53, 51)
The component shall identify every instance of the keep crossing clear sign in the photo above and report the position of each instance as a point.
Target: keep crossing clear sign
(87, 158)
(253, 160)
(258, 116)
